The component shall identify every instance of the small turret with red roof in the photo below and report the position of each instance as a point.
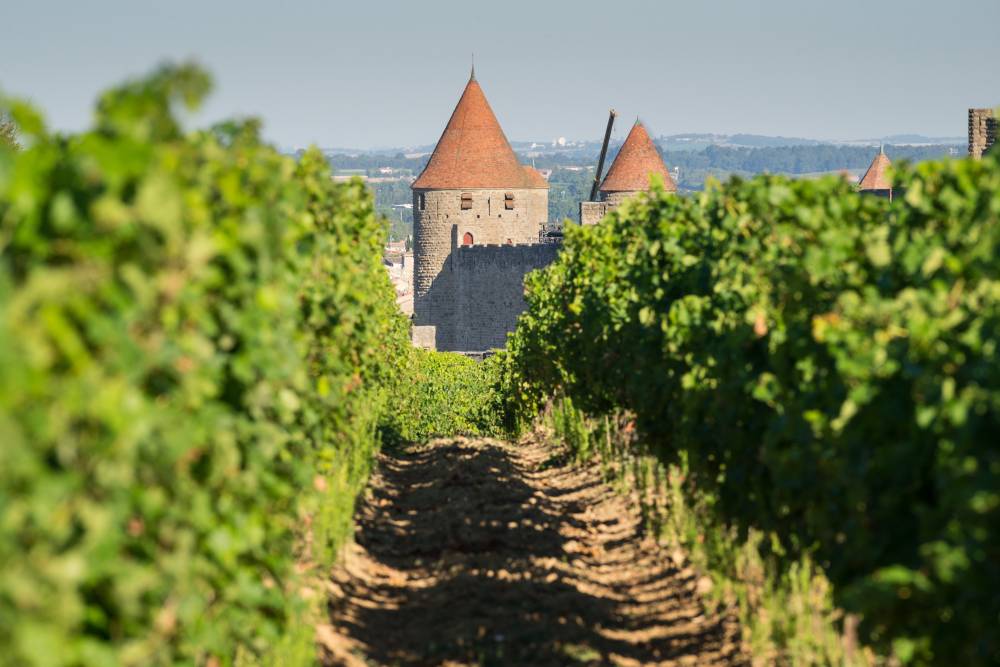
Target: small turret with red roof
(635, 163)
(632, 172)
(876, 179)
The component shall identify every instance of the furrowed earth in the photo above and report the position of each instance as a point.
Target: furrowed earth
(476, 551)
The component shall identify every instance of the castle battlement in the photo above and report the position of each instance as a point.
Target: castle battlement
(479, 246)
(519, 254)
(478, 215)
(480, 224)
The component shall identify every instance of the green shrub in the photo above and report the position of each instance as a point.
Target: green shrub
(443, 394)
(827, 364)
(196, 342)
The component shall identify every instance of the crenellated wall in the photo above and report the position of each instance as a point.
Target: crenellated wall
(440, 226)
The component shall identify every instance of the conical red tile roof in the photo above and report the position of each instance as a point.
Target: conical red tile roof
(473, 151)
(637, 159)
(876, 177)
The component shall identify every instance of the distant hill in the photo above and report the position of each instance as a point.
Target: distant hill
(692, 141)
(721, 161)
(762, 141)
(697, 142)
(919, 139)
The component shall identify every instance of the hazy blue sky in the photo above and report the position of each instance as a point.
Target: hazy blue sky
(388, 73)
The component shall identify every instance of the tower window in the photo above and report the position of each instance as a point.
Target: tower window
(508, 201)
(467, 239)
(422, 201)
(466, 201)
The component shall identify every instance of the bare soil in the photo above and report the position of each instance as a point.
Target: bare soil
(482, 552)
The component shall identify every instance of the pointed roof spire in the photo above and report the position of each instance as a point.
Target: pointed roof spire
(473, 151)
(877, 178)
(472, 76)
(637, 159)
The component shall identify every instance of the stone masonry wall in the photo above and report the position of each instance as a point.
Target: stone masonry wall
(490, 294)
(615, 198)
(439, 227)
(538, 206)
(982, 131)
(591, 212)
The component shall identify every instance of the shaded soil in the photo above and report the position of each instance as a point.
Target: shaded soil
(482, 552)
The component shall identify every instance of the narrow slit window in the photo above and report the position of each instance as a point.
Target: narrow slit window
(423, 201)
(466, 201)
(508, 201)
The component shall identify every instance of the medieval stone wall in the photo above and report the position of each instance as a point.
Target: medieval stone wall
(440, 226)
(982, 131)
(538, 206)
(490, 294)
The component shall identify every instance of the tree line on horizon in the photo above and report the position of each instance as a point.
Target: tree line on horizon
(803, 159)
(569, 187)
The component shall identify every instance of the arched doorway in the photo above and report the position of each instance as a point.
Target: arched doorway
(467, 239)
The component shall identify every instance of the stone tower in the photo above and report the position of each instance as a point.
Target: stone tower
(473, 191)
(982, 131)
(629, 174)
(876, 179)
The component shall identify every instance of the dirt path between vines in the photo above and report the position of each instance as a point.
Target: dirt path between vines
(481, 552)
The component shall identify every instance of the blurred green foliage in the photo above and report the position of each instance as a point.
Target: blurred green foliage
(197, 341)
(8, 134)
(824, 363)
